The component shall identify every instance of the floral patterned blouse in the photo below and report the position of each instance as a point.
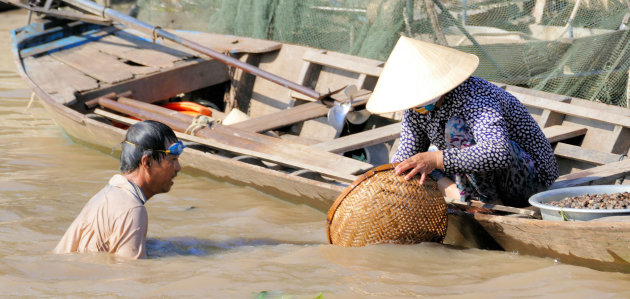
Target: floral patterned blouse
(493, 117)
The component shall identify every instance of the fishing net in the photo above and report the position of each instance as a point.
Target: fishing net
(578, 48)
(381, 207)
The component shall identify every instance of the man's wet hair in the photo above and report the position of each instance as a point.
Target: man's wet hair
(145, 138)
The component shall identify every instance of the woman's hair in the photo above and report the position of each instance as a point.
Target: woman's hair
(145, 138)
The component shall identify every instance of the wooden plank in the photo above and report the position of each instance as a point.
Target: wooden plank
(535, 93)
(620, 140)
(66, 42)
(291, 154)
(44, 71)
(185, 78)
(273, 150)
(361, 140)
(602, 245)
(97, 65)
(290, 116)
(550, 118)
(562, 132)
(342, 63)
(94, 49)
(586, 155)
(136, 38)
(308, 74)
(230, 43)
(573, 110)
(501, 208)
(150, 56)
(268, 97)
(603, 173)
(283, 117)
(241, 85)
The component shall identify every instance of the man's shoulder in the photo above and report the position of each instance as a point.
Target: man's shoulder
(120, 193)
(121, 197)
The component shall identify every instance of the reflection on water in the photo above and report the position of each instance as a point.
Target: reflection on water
(212, 239)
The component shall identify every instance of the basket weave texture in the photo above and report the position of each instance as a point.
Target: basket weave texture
(381, 207)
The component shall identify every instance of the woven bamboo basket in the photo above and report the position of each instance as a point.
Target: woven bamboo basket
(381, 207)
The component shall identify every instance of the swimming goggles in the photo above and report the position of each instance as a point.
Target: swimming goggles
(175, 149)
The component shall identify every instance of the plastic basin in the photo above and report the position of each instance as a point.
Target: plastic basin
(553, 213)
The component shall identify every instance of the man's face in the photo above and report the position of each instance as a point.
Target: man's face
(163, 173)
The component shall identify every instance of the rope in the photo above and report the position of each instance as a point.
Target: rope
(199, 122)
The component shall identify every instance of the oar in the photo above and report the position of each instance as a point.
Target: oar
(493, 207)
(156, 31)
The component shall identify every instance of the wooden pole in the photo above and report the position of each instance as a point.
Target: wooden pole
(433, 17)
(187, 119)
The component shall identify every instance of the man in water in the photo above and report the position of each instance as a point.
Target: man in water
(115, 219)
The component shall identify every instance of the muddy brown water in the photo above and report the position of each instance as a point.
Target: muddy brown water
(217, 240)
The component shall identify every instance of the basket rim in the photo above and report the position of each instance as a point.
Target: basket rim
(359, 180)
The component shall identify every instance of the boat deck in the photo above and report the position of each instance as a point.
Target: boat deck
(117, 56)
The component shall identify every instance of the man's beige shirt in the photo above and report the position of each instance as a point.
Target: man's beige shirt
(114, 220)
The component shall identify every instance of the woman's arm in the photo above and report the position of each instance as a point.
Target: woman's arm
(491, 150)
(413, 139)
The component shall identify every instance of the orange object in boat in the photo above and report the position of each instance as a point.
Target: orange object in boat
(190, 108)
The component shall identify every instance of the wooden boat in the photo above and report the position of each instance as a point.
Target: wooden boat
(85, 73)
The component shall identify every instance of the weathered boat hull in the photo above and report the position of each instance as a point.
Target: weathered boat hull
(599, 245)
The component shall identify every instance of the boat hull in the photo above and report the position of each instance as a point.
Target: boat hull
(598, 245)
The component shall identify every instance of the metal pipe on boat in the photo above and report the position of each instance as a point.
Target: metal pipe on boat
(156, 31)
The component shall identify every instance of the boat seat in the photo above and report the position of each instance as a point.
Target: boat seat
(362, 139)
(578, 153)
(292, 115)
(604, 174)
(562, 132)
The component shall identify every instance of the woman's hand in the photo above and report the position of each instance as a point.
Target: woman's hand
(421, 163)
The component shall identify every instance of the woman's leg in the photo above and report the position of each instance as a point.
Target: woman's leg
(518, 182)
(457, 136)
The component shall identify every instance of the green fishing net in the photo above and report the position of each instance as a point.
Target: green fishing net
(578, 48)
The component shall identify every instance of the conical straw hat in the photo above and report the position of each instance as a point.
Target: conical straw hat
(418, 72)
